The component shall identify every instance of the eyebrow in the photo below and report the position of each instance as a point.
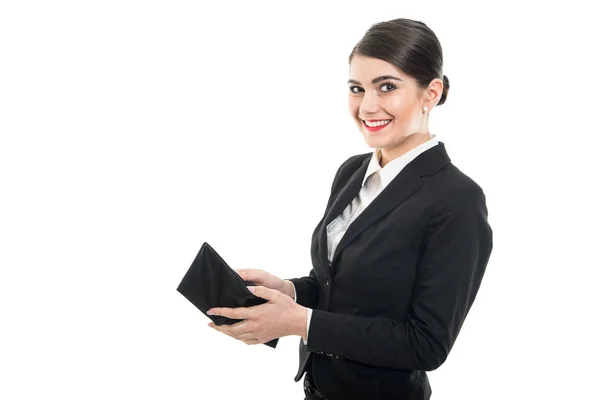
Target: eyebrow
(378, 79)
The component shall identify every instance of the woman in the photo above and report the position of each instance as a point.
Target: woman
(400, 252)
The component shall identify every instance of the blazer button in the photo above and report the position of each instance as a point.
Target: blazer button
(327, 282)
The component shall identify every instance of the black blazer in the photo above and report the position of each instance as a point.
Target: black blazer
(390, 305)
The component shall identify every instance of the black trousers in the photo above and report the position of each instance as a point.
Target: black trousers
(311, 393)
(309, 390)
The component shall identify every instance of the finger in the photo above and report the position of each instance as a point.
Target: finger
(251, 274)
(238, 336)
(238, 327)
(241, 273)
(266, 293)
(234, 313)
(252, 341)
(221, 328)
(226, 329)
(246, 336)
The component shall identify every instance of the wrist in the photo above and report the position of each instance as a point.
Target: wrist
(287, 288)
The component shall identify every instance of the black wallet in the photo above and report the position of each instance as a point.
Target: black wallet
(210, 282)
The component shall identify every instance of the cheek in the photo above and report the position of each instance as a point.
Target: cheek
(400, 108)
(353, 105)
(395, 106)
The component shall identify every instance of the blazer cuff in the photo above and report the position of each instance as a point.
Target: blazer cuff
(306, 291)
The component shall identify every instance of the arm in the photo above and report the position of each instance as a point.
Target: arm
(455, 253)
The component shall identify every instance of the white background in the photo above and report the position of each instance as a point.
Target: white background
(133, 131)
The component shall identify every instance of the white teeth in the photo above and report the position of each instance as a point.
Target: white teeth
(378, 123)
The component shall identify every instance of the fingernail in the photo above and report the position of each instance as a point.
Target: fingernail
(210, 312)
(250, 288)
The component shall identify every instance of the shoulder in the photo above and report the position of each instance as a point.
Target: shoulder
(457, 210)
(451, 184)
(451, 194)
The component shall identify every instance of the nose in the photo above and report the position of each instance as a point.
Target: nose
(369, 104)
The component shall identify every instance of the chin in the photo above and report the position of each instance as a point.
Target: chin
(376, 142)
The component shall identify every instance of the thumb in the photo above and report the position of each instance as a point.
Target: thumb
(241, 273)
(265, 293)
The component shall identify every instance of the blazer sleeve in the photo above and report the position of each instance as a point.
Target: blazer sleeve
(307, 288)
(454, 255)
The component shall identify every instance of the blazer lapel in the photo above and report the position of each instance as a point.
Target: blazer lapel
(346, 195)
(407, 182)
(348, 192)
(399, 189)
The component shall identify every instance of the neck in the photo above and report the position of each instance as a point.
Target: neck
(388, 154)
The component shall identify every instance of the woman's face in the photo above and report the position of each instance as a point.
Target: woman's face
(384, 102)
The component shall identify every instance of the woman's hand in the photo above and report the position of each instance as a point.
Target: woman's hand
(264, 278)
(280, 316)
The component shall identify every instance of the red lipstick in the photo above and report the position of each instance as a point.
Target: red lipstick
(375, 128)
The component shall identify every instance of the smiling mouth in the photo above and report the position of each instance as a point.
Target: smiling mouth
(374, 126)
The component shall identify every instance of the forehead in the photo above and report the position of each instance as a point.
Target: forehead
(364, 69)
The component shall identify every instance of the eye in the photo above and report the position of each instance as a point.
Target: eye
(355, 89)
(389, 85)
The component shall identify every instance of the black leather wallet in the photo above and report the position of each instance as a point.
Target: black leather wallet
(210, 282)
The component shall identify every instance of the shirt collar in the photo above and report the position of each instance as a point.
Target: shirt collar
(393, 168)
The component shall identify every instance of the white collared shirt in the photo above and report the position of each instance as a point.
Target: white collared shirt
(375, 180)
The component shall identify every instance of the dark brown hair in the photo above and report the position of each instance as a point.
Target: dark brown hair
(408, 45)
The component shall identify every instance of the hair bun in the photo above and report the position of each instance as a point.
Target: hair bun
(444, 91)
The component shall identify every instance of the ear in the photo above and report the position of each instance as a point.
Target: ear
(433, 93)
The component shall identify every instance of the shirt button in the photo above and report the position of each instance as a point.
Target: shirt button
(327, 282)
